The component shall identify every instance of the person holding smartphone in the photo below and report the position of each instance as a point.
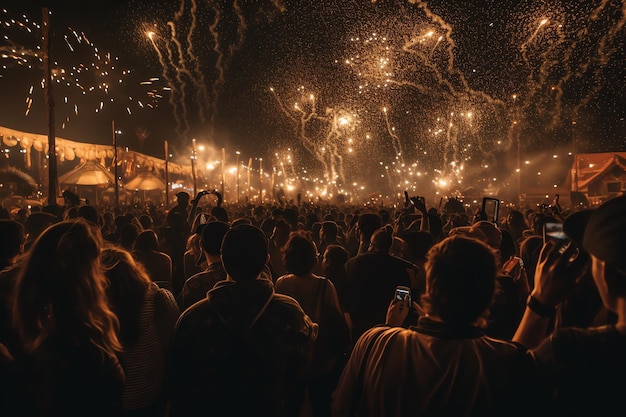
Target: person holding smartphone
(583, 368)
(445, 364)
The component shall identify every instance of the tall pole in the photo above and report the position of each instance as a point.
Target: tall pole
(52, 158)
(238, 154)
(575, 156)
(193, 166)
(261, 180)
(167, 176)
(115, 163)
(223, 170)
(249, 171)
(519, 169)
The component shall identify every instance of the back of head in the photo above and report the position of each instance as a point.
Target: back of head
(336, 256)
(244, 252)
(89, 213)
(491, 232)
(605, 234)
(241, 220)
(212, 236)
(368, 223)
(147, 241)
(128, 236)
(146, 221)
(460, 279)
(36, 223)
(330, 229)
(291, 215)
(121, 221)
(300, 255)
(220, 214)
(381, 240)
(55, 210)
(281, 231)
(62, 271)
(182, 197)
(12, 239)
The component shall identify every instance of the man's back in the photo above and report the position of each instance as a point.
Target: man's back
(237, 352)
(433, 369)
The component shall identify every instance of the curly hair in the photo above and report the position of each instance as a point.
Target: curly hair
(460, 280)
(60, 290)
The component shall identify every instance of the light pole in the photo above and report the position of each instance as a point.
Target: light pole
(115, 163)
(238, 154)
(193, 165)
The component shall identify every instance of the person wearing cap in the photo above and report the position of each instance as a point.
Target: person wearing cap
(583, 368)
(239, 351)
(197, 286)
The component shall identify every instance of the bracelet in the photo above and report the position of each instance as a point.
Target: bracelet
(539, 308)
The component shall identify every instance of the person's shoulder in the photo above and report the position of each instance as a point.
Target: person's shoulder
(283, 279)
(195, 314)
(380, 333)
(403, 262)
(197, 276)
(286, 302)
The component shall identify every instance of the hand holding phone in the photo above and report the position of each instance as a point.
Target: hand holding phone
(399, 306)
(403, 294)
(491, 209)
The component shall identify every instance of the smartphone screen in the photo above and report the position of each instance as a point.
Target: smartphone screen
(553, 231)
(402, 292)
(491, 207)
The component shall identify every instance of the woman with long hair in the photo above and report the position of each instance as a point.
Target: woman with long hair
(318, 298)
(69, 362)
(147, 315)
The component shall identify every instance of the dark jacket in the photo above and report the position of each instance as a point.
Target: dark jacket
(372, 279)
(237, 352)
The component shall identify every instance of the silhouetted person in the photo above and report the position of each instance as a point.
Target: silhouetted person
(239, 351)
(197, 286)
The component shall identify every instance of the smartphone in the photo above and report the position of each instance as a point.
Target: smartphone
(491, 208)
(401, 293)
(513, 265)
(553, 231)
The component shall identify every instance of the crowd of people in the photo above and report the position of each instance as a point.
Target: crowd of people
(293, 310)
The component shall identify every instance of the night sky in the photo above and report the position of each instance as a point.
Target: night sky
(351, 92)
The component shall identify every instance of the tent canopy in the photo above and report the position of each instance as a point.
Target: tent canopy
(145, 181)
(88, 173)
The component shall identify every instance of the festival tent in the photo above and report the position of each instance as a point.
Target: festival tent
(145, 181)
(87, 173)
(148, 182)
